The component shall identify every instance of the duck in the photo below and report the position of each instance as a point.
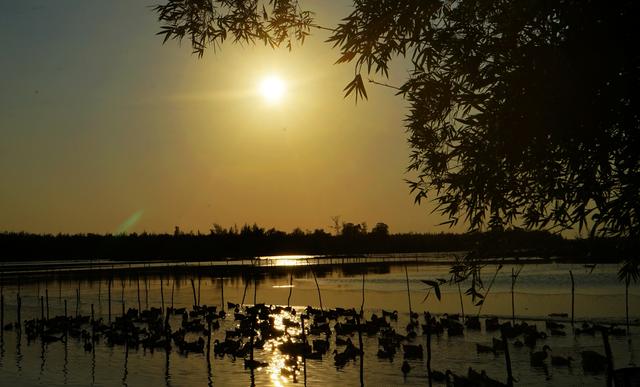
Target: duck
(593, 362)
(484, 349)
(538, 358)
(413, 351)
(386, 353)
(438, 376)
(560, 361)
(253, 364)
(340, 358)
(405, 368)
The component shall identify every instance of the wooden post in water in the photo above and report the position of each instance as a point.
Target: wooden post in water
(173, 287)
(162, 294)
(138, 285)
(77, 300)
(255, 289)
(507, 358)
(41, 308)
(109, 290)
(122, 297)
(222, 292)
(573, 294)
(318, 288)
(46, 292)
(146, 293)
(199, 284)
(290, 289)
(513, 300)
(362, 304)
(406, 274)
(193, 288)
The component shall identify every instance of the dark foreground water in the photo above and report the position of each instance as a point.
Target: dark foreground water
(540, 290)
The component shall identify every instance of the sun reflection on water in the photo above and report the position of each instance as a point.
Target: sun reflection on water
(283, 368)
(286, 260)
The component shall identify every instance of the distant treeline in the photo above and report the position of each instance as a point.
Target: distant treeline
(252, 241)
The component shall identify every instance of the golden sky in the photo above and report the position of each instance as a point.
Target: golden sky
(100, 123)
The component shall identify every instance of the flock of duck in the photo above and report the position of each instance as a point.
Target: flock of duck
(309, 334)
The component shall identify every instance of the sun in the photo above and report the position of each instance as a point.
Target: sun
(272, 89)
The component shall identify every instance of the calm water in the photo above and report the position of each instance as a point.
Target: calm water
(540, 290)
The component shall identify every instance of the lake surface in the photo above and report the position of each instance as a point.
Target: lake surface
(541, 289)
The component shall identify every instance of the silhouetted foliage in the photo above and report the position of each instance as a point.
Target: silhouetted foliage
(520, 112)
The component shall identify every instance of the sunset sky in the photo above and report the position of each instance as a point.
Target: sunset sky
(104, 129)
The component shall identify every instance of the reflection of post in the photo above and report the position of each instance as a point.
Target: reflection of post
(2, 316)
(428, 333)
(19, 301)
(304, 341)
(361, 351)
(126, 362)
(607, 352)
(167, 375)
(507, 358)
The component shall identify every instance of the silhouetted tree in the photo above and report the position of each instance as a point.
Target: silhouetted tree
(380, 230)
(520, 112)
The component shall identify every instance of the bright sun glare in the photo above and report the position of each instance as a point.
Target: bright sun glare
(272, 89)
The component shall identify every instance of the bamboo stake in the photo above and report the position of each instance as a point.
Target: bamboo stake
(362, 304)
(193, 287)
(406, 274)
(46, 292)
(162, 294)
(513, 300)
(138, 286)
(255, 290)
(290, 289)
(318, 288)
(146, 293)
(461, 303)
(109, 286)
(173, 287)
(122, 298)
(573, 294)
(77, 300)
